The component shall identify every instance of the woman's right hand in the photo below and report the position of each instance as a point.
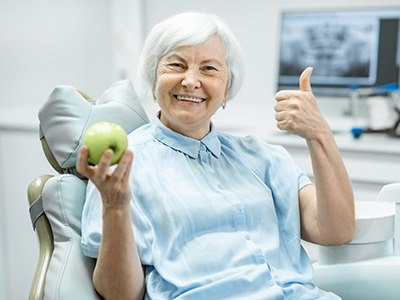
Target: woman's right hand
(113, 184)
(118, 273)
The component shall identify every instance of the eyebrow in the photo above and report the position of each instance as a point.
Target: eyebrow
(180, 57)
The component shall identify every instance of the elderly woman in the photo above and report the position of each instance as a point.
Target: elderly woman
(206, 215)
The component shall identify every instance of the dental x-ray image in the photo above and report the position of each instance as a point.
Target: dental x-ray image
(341, 48)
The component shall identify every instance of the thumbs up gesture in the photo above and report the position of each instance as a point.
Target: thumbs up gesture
(296, 111)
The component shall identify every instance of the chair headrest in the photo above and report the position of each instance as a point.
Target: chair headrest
(67, 113)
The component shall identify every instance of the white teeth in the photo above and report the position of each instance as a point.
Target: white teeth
(191, 99)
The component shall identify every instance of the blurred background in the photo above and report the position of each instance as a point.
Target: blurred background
(91, 44)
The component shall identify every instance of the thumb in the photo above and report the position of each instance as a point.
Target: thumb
(304, 81)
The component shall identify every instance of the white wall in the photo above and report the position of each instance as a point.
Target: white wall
(128, 21)
(45, 43)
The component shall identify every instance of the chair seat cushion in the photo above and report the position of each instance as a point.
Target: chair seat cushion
(70, 273)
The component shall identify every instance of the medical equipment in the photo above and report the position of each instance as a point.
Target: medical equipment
(375, 110)
(369, 266)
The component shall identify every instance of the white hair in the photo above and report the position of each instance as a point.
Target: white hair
(187, 29)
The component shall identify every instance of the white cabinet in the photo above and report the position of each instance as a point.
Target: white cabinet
(21, 160)
(372, 161)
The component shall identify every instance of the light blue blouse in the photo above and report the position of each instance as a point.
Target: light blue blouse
(216, 218)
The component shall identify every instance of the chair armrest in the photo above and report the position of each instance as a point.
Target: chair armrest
(45, 236)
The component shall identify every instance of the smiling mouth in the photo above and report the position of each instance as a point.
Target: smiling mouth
(189, 99)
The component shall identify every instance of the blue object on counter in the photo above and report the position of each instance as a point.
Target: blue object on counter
(387, 88)
(357, 132)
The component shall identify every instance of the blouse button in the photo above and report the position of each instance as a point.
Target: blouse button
(261, 259)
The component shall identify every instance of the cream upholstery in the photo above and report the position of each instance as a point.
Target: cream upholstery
(62, 272)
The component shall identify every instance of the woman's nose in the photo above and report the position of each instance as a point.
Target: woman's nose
(191, 80)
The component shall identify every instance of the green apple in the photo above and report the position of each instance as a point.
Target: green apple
(102, 136)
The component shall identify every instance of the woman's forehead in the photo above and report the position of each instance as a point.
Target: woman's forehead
(211, 49)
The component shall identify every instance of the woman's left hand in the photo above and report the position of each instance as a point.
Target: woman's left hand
(327, 212)
(297, 110)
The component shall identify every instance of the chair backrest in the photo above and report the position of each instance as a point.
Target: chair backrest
(56, 202)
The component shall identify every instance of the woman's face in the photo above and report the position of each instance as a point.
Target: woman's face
(191, 86)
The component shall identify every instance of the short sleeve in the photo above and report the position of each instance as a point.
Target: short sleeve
(303, 179)
(92, 226)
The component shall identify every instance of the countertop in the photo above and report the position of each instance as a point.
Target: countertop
(19, 119)
(369, 142)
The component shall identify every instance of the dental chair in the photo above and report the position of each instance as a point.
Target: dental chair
(56, 201)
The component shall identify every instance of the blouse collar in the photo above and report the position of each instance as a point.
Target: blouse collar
(186, 144)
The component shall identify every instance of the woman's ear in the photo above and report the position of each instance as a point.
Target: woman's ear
(226, 95)
(224, 104)
(228, 88)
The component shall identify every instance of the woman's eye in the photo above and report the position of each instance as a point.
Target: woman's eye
(175, 65)
(209, 68)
